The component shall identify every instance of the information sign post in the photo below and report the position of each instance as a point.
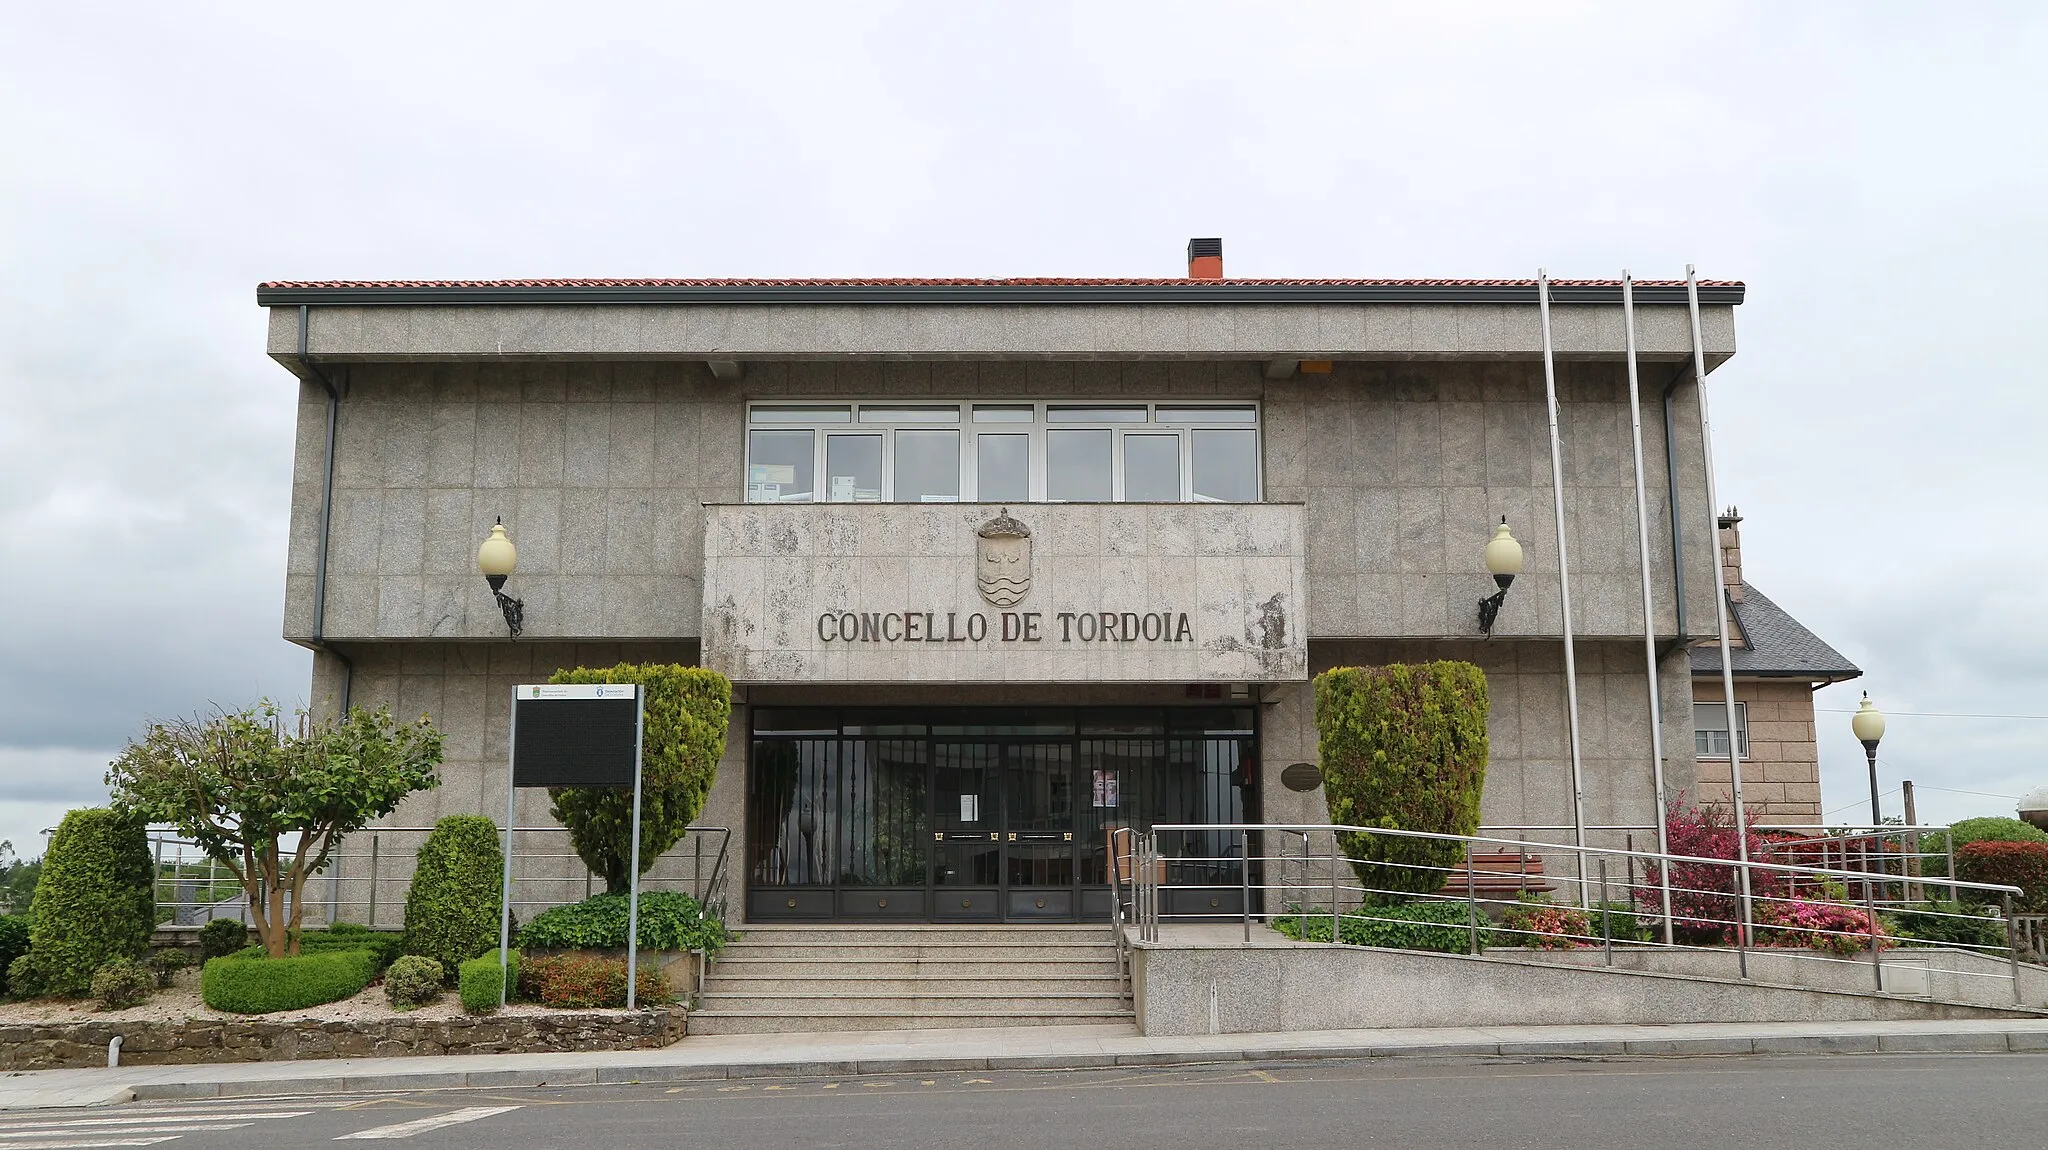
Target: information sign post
(576, 735)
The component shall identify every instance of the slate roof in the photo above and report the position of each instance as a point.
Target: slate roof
(1771, 644)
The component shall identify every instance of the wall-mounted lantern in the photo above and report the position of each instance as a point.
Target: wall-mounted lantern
(496, 559)
(1503, 562)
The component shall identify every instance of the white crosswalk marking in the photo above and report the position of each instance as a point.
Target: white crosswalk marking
(149, 1120)
(422, 1125)
(89, 1142)
(147, 1128)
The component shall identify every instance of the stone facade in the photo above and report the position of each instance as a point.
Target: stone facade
(196, 1040)
(1164, 592)
(614, 453)
(602, 472)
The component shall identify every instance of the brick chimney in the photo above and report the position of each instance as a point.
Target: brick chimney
(1731, 554)
(1205, 259)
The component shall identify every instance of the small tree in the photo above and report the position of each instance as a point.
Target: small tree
(687, 712)
(451, 909)
(1403, 747)
(239, 783)
(1706, 906)
(94, 902)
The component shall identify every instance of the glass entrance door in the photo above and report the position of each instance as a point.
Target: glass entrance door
(1038, 832)
(986, 815)
(1003, 829)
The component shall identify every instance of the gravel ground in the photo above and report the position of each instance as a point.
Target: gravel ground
(181, 1001)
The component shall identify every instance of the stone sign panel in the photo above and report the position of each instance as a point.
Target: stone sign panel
(1056, 592)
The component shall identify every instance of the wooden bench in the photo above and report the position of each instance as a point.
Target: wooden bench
(1500, 876)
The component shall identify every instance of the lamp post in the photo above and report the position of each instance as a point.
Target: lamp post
(1868, 723)
(496, 559)
(1503, 562)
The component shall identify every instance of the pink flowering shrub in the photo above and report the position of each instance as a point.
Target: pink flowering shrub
(1546, 925)
(1704, 906)
(1822, 926)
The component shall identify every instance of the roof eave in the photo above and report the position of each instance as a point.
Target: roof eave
(1190, 292)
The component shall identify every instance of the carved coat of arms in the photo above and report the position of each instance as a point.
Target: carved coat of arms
(1002, 568)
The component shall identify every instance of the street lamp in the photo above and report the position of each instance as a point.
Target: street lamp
(1868, 723)
(496, 559)
(1503, 562)
(2034, 807)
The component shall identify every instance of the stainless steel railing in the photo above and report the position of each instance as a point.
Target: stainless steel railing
(367, 875)
(1827, 914)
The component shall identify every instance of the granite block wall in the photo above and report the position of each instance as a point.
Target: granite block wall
(601, 471)
(1781, 775)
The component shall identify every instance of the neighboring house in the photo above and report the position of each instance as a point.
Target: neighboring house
(1778, 665)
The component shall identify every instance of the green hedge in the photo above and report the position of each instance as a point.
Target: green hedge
(451, 909)
(688, 709)
(384, 947)
(13, 943)
(1403, 747)
(481, 982)
(668, 921)
(1438, 926)
(243, 984)
(1939, 922)
(94, 901)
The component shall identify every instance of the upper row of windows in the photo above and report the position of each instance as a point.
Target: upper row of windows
(1002, 452)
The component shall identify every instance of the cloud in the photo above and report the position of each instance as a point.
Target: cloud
(1871, 175)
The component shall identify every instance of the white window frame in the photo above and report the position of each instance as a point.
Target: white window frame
(1720, 711)
(1035, 431)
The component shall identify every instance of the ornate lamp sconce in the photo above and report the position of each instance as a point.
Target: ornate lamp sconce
(496, 559)
(1503, 562)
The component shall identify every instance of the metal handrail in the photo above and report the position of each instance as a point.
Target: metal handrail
(1146, 896)
(712, 893)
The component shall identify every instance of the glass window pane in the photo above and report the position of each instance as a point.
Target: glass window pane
(927, 466)
(1077, 465)
(1151, 468)
(779, 466)
(1207, 415)
(950, 413)
(1002, 468)
(1710, 729)
(853, 469)
(1094, 414)
(1226, 466)
(1002, 413)
(835, 414)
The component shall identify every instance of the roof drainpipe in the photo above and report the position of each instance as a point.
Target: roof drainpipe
(348, 669)
(1671, 477)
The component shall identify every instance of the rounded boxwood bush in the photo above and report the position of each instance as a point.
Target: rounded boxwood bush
(166, 964)
(94, 901)
(413, 980)
(452, 909)
(1403, 747)
(482, 981)
(222, 936)
(122, 982)
(260, 984)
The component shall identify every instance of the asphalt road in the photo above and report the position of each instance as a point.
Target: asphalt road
(1746, 1103)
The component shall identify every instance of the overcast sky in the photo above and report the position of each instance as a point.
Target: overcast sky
(1875, 173)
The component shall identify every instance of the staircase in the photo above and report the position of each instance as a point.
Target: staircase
(792, 978)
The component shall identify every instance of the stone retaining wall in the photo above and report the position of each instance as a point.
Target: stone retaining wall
(50, 1046)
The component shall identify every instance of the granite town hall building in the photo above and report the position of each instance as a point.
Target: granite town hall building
(998, 566)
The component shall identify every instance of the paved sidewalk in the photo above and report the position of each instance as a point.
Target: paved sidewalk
(1021, 1048)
